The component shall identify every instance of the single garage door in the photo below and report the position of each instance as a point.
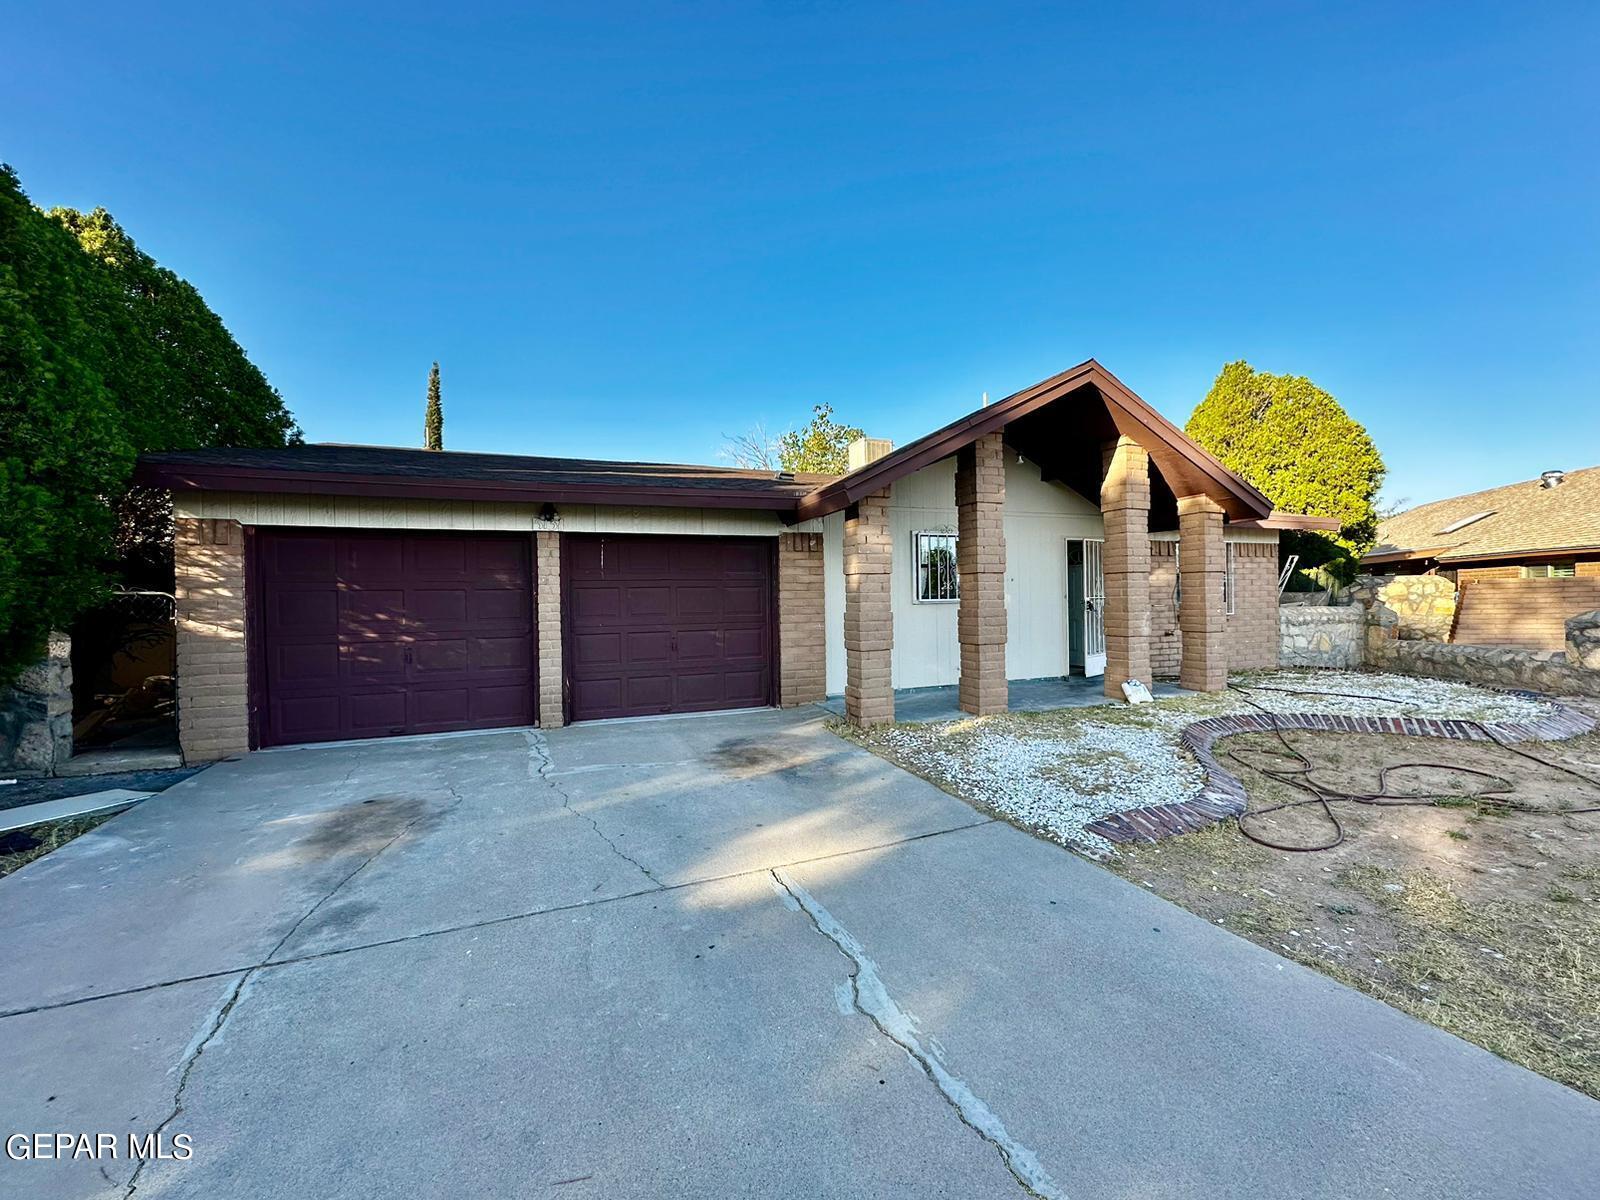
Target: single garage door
(667, 624)
(366, 634)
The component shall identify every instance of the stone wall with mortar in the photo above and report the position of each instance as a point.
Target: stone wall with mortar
(1425, 604)
(1583, 641)
(1321, 637)
(1555, 672)
(36, 714)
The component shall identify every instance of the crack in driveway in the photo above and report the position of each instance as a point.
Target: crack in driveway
(872, 1000)
(231, 1001)
(543, 769)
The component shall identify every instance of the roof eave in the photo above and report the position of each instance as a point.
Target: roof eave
(331, 483)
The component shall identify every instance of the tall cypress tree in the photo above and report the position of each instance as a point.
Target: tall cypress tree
(433, 422)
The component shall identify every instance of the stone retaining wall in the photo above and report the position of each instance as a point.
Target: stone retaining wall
(36, 714)
(1321, 637)
(1424, 604)
(1497, 666)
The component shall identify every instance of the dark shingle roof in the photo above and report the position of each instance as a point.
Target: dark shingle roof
(311, 465)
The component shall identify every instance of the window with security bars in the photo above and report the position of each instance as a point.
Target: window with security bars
(934, 554)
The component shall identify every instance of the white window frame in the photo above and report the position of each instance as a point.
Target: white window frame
(945, 538)
(1228, 589)
(1550, 571)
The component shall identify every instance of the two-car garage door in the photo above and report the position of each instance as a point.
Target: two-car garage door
(371, 633)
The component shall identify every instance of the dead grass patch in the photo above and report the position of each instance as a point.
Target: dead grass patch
(21, 846)
(1484, 924)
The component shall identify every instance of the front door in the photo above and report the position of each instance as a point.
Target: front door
(1087, 622)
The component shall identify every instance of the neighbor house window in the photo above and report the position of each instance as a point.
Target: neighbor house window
(1227, 581)
(935, 558)
(1550, 571)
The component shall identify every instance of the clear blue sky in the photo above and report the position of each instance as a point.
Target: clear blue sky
(625, 231)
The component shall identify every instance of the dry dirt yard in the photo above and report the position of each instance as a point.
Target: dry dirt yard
(1482, 922)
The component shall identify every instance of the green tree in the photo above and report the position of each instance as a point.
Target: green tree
(103, 354)
(820, 446)
(433, 418)
(1295, 443)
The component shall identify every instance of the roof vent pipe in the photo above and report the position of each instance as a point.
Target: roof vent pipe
(1550, 479)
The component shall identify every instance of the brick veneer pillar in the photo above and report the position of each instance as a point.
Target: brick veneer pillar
(981, 566)
(1125, 508)
(547, 565)
(868, 619)
(802, 652)
(1201, 613)
(213, 681)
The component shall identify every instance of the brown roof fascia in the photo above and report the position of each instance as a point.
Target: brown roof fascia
(1497, 555)
(1136, 418)
(328, 483)
(1283, 520)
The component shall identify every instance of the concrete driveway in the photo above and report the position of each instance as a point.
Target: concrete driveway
(723, 956)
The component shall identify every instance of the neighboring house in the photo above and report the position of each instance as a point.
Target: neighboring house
(330, 592)
(1545, 528)
(1524, 557)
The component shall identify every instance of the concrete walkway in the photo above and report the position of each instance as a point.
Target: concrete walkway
(730, 956)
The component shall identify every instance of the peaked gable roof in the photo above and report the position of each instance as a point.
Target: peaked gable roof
(1188, 468)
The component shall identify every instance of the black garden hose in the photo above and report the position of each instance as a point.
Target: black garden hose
(1499, 791)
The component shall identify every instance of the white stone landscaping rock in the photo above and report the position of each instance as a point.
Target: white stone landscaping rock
(1061, 771)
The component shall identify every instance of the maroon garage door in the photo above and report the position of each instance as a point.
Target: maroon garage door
(368, 634)
(667, 624)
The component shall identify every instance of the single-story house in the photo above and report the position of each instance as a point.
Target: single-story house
(330, 592)
(1544, 528)
(1523, 558)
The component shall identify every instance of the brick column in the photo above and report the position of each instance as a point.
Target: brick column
(1125, 508)
(802, 652)
(1201, 616)
(981, 565)
(868, 618)
(547, 568)
(213, 680)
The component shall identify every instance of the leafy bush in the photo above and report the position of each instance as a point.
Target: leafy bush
(103, 355)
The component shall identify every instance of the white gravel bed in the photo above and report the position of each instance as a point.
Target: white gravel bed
(1060, 771)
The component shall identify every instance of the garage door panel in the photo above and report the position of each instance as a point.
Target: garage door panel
(307, 558)
(428, 632)
(650, 648)
(596, 605)
(435, 656)
(689, 613)
(500, 607)
(380, 559)
(437, 558)
(597, 650)
(744, 602)
(746, 559)
(699, 645)
(502, 653)
(302, 611)
(373, 612)
(304, 716)
(373, 713)
(745, 687)
(442, 608)
(307, 663)
(652, 693)
(649, 604)
(745, 644)
(374, 661)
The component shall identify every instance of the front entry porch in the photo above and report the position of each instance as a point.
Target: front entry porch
(1023, 695)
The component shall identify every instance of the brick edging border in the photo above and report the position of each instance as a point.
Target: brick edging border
(1223, 795)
